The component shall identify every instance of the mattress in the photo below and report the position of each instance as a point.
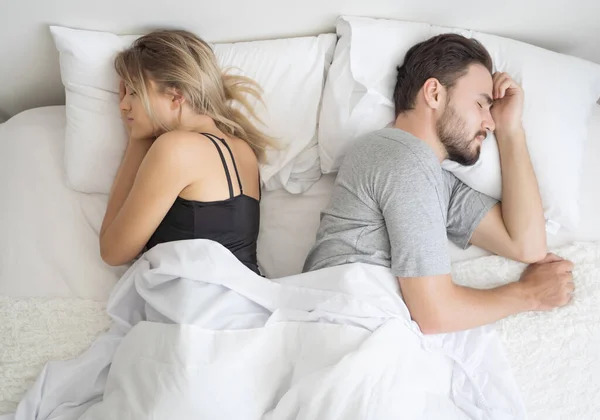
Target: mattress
(49, 243)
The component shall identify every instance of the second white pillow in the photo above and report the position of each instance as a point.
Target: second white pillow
(560, 92)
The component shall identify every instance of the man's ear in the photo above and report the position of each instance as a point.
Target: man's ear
(434, 93)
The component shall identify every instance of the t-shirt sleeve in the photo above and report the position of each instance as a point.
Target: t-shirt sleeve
(466, 210)
(413, 216)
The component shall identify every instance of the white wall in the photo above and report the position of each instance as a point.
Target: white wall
(29, 65)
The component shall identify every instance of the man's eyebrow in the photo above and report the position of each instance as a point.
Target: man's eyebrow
(487, 98)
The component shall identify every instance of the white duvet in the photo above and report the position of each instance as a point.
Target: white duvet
(196, 334)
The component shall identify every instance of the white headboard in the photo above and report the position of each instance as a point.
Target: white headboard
(29, 69)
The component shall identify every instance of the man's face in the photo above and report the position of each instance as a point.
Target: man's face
(466, 118)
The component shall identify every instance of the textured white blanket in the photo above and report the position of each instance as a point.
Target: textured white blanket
(554, 354)
(35, 331)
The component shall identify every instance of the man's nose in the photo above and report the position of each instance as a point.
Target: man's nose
(488, 123)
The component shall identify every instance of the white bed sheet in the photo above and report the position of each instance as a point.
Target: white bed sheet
(48, 233)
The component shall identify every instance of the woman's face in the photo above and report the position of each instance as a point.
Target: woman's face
(140, 125)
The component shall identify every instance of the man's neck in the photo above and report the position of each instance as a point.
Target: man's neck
(421, 129)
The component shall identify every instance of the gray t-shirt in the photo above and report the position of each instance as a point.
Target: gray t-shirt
(393, 205)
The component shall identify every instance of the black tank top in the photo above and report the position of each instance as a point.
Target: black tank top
(234, 222)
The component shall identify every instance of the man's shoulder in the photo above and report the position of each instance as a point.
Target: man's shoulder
(390, 147)
(394, 137)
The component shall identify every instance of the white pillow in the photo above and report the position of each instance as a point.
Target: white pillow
(560, 92)
(290, 71)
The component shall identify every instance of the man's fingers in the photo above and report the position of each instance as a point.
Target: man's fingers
(502, 86)
(566, 265)
(498, 75)
(501, 83)
(498, 79)
(550, 257)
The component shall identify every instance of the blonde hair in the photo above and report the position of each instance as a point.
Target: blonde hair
(178, 59)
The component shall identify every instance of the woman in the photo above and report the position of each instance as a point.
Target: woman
(190, 169)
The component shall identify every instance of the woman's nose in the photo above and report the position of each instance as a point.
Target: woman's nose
(124, 104)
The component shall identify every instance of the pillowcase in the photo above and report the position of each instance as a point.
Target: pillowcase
(560, 92)
(291, 73)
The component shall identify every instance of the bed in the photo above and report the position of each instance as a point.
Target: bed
(56, 309)
(54, 286)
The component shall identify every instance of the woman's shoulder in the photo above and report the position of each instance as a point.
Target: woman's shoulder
(182, 146)
(192, 147)
(179, 140)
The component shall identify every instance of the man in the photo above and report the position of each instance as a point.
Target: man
(393, 205)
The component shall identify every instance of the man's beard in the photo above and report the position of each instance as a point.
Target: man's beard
(453, 134)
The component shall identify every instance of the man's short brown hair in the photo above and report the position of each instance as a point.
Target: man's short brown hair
(445, 57)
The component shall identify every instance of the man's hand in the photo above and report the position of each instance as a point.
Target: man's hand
(549, 283)
(507, 108)
(439, 305)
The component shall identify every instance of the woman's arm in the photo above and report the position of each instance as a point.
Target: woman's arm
(141, 201)
(134, 154)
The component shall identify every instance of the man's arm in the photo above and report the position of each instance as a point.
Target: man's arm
(516, 227)
(439, 305)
